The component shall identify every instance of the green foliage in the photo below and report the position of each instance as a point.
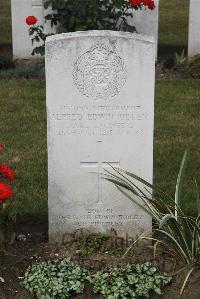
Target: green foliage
(55, 279)
(182, 231)
(38, 36)
(194, 66)
(180, 58)
(9, 214)
(98, 243)
(132, 281)
(64, 278)
(89, 15)
(71, 16)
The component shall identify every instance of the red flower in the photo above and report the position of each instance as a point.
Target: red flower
(135, 2)
(5, 191)
(7, 171)
(151, 5)
(31, 20)
(1, 147)
(146, 2)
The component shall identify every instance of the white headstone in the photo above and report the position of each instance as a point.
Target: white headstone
(21, 9)
(194, 28)
(146, 22)
(100, 103)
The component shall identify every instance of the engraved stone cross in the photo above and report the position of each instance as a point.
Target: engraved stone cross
(100, 164)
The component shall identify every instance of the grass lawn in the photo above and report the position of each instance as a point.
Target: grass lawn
(173, 25)
(176, 129)
(23, 131)
(5, 22)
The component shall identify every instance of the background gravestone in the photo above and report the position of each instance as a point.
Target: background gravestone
(194, 28)
(100, 103)
(22, 45)
(146, 22)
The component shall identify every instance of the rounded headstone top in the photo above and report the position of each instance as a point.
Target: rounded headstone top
(99, 33)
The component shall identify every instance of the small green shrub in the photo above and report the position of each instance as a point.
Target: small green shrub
(55, 279)
(60, 279)
(90, 14)
(180, 58)
(194, 67)
(133, 281)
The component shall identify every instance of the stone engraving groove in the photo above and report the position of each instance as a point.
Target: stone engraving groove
(99, 73)
(100, 165)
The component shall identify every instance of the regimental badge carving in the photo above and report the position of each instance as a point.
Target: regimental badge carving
(99, 73)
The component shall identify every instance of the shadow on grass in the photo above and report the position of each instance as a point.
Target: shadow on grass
(6, 47)
(165, 51)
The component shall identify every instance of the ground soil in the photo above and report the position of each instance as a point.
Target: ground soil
(172, 73)
(14, 260)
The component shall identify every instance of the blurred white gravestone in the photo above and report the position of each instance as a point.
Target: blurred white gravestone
(146, 22)
(100, 104)
(21, 9)
(194, 28)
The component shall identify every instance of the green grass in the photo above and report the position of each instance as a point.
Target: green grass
(176, 129)
(23, 131)
(5, 22)
(173, 25)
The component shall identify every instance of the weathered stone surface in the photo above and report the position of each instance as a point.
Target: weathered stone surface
(100, 103)
(194, 28)
(146, 22)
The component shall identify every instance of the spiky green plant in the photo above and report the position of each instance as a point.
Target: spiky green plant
(180, 58)
(182, 231)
